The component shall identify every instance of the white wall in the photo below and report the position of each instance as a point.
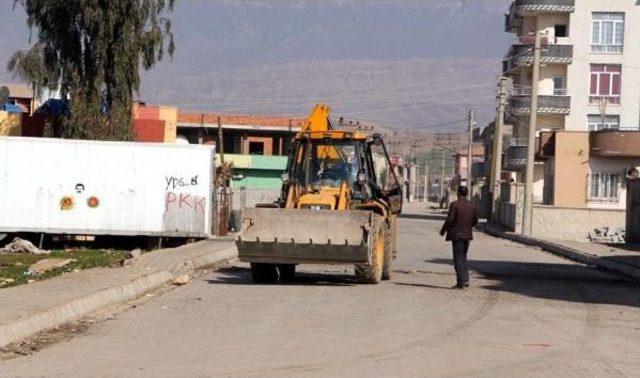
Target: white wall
(538, 182)
(141, 188)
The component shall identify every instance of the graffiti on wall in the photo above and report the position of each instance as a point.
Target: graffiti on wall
(183, 210)
(68, 202)
(173, 182)
(184, 201)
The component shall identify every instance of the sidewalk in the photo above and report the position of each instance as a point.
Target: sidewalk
(616, 259)
(39, 306)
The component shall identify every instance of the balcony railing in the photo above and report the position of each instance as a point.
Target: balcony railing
(525, 90)
(521, 104)
(515, 157)
(513, 19)
(544, 5)
(522, 55)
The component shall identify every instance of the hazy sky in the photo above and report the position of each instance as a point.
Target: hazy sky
(281, 56)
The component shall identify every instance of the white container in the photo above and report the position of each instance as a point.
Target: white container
(67, 186)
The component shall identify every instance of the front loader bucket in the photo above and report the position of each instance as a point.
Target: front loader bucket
(297, 236)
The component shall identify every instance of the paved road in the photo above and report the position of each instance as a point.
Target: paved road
(527, 314)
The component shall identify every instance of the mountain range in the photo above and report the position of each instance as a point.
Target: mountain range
(401, 63)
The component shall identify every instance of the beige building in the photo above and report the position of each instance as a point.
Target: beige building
(589, 98)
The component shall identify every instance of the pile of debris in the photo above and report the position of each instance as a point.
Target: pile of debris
(608, 235)
(18, 245)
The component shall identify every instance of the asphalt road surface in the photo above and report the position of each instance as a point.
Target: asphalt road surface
(527, 313)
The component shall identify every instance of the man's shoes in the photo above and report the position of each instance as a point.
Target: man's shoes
(458, 286)
(466, 284)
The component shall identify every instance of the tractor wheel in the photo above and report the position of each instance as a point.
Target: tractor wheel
(372, 274)
(264, 273)
(388, 253)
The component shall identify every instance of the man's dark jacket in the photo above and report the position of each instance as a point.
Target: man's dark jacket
(460, 221)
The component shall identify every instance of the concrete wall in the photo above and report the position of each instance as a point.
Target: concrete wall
(169, 115)
(572, 169)
(251, 197)
(547, 73)
(509, 206)
(538, 183)
(572, 223)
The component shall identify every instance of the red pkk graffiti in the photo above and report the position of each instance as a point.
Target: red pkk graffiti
(184, 200)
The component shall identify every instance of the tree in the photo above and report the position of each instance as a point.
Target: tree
(91, 50)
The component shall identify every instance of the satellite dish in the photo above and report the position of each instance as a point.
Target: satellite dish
(4, 96)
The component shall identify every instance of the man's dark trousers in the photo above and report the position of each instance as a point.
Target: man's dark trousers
(460, 249)
(458, 226)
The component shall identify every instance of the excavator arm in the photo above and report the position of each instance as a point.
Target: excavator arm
(318, 119)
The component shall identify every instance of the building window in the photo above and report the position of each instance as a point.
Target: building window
(559, 86)
(605, 84)
(607, 32)
(596, 122)
(256, 148)
(560, 31)
(604, 186)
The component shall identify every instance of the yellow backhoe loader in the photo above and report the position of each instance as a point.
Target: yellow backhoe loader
(339, 204)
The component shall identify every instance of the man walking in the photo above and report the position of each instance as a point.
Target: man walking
(459, 225)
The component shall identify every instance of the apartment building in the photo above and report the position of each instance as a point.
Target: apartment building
(589, 98)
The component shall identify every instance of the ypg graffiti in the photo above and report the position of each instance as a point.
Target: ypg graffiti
(173, 182)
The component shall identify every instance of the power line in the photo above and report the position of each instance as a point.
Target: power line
(434, 126)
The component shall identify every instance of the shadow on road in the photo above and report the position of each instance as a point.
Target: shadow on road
(423, 285)
(242, 276)
(423, 216)
(564, 282)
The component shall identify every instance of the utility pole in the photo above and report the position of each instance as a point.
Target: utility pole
(496, 154)
(220, 140)
(527, 213)
(470, 156)
(441, 173)
(426, 182)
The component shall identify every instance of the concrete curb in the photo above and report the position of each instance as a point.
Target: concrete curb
(567, 252)
(22, 328)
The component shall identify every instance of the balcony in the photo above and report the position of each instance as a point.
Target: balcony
(522, 55)
(551, 105)
(513, 20)
(615, 143)
(515, 155)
